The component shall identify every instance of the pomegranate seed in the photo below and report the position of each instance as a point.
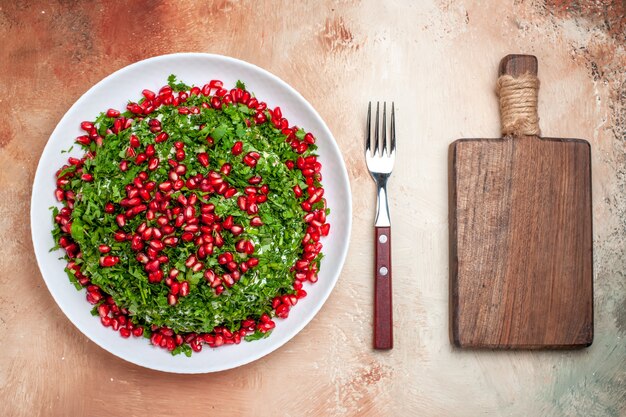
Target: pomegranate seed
(248, 160)
(184, 289)
(104, 248)
(256, 222)
(161, 137)
(113, 113)
(237, 148)
(153, 164)
(108, 261)
(226, 168)
(236, 230)
(172, 299)
(203, 158)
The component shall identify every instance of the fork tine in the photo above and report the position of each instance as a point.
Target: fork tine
(393, 128)
(376, 131)
(384, 151)
(369, 127)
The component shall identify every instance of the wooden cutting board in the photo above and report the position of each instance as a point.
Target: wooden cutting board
(520, 239)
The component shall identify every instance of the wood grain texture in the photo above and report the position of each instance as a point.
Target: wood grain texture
(383, 293)
(339, 55)
(520, 239)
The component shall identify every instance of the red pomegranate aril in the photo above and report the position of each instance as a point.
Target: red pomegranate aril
(150, 94)
(153, 265)
(113, 113)
(152, 254)
(155, 277)
(236, 230)
(190, 261)
(119, 236)
(230, 192)
(141, 158)
(153, 164)
(180, 169)
(252, 262)
(178, 184)
(184, 289)
(180, 155)
(109, 261)
(134, 141)
(120, 219)
(249, 247)
(103, 310)
(226, 168)
(250, 161)
(256, 222)
(237, 148)
(218, 240)
(228, 222)
(172, 300)
(87, 126)
(228, 280)
(161, 137)
(282, 311)
(253, 208)
(242, 202)
(203, 159)
(216, 103)
(104, 248)
(157, 245)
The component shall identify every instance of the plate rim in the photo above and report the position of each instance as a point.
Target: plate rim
(342, 173)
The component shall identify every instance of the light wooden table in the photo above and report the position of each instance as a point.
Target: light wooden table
(437, 59)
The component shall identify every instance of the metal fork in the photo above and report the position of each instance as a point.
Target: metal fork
(380, 164)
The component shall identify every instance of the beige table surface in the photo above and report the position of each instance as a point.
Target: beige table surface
(437, 60)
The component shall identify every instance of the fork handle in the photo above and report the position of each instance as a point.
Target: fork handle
(383, 312)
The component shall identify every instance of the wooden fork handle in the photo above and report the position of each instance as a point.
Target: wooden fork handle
(383, 317)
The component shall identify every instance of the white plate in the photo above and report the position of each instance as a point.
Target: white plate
(113, 92)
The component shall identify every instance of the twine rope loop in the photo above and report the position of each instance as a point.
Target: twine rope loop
(518, 104)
